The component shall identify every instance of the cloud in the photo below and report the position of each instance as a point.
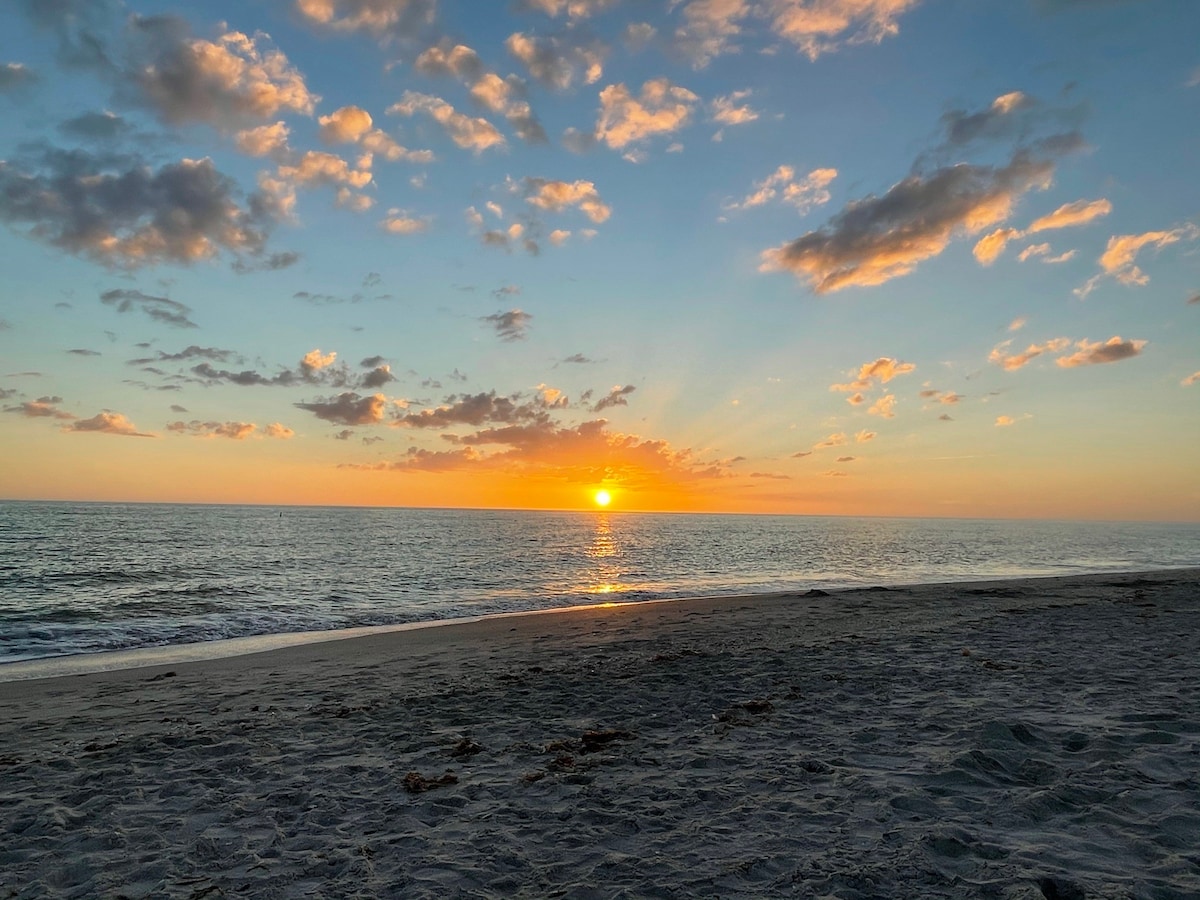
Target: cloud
(1195, 298)
(1004, 421)
(616, 396)
(846, 459)
(278, 431)
(863, 436)
(555, 196)
(726, 111)
(710, 29)
(578, 358)
(402, 18)
(556, 63)
(877, 239)
(160, 309)
(1000, 120)
(880, 371)
(822, 26)
(228, 83)
(478, 409)
(272, 262)
(804, 194)
(378, 377)
(1018, 323)
(264, 140)
(474, 134)
(504, 96)
(14, 75)
(1069, 215)
(400, 222)
(1191, 379)
(883, 407)
(120, 213)
(511, 325)
(352, 125)
(83, 352)
(1113, 350)
(314, 361)
(96, 126)
(107, 423)
(41, 408)
(192, 351)
(348, 408)
(316, 168)
(574, 9)
(834, 440)
(236, 431)
(625, 120)
(1119, 259)
(1011, 362)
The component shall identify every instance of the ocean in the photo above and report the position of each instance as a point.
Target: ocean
(84, 578)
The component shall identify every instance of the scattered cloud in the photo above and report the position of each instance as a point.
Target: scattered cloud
(227, 83)
(556, 62)
(877, 239)
(511, 325)
(555, 196)
(107, 423)
(1119, 259)
(1070, 215)
(1113, 350)
(160, 309)
(41, 408)
(869, 374)
(729, 110)
(1018, 323)
(816, 27)
(1010, 362)
(471, 133)
(353, 125)
(1191, 379)
(399, 221)
(616, 396)
(625, 121)
(118, 212)
(237, 431)
(14, 75)
(884, 407)
(804, 193)
(834, 440)
(863, 436)
(383, 18)
(348, 408)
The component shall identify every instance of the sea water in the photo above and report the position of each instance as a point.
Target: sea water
(82, 578)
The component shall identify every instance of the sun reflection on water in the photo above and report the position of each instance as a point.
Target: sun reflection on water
(603, 575)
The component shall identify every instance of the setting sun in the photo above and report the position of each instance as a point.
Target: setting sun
(602, 498)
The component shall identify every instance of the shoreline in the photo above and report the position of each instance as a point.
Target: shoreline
(1018, 739)
(74, 665)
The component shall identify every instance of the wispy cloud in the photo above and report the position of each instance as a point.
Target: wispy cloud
(1119, 259)
(783, 185)
(511, 325)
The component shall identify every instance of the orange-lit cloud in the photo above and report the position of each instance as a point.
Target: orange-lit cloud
(1191, 379)
(1119, 259)
(555, 196)
(884, 407)
(1113, 350)
(822, 26)
(1011, 362)
(804, 193)
(107, 423)
(41, 408)
(557, 62)
(880, 371)
(662, 108)
(1069, 215)
(379, 17)
(471, 133)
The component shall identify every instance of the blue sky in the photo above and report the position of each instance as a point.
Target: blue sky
(899, 257)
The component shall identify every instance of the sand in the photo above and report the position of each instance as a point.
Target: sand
(1019, 739)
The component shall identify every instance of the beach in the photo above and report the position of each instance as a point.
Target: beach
(1015, 739)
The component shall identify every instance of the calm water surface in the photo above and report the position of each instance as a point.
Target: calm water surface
(83, 578)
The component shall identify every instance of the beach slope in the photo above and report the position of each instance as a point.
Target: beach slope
(1018, 739)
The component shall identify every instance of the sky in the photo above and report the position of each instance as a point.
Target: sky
(849, 257)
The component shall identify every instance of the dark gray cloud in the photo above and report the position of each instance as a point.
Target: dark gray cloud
(15, 75)
(246, 378)
(378, 377)
(84, 352)
(272, 262)
(121, 213)
(615, 397)
(96, 126)
(348, 408)
(476, 410)
(373, 362)
(82, 27)
(511, 325)
(160, 309)
(192, 351)
(176, 408)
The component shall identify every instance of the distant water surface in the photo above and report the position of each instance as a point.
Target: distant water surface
(81, 578)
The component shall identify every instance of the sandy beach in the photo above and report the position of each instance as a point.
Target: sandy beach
(1018, 739)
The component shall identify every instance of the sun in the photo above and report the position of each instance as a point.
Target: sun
(602, 498)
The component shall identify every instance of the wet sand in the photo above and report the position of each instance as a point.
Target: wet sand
(1034, 738)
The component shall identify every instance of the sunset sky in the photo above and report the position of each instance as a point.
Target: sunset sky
(866, 257)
